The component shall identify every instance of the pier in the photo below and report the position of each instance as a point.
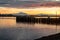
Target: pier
(48, 20)
(34, 18)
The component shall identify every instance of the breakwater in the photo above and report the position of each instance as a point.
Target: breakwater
(38, 20)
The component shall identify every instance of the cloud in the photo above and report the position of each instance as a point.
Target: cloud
(15, 3)
(20, 3)
(25, 0)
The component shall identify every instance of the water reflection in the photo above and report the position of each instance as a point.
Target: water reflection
(7, 21)
(11, 30)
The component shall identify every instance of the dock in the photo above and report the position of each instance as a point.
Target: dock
(34, 18)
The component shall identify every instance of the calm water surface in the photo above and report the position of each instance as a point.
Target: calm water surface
(11, 30)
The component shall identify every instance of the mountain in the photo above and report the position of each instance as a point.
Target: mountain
(20, 14)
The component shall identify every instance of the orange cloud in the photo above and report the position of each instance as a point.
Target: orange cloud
(6, 10)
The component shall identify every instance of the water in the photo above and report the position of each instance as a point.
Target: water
(11, 30)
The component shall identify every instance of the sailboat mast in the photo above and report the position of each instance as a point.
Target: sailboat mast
(56, 21)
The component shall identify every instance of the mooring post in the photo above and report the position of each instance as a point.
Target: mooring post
(48, 20)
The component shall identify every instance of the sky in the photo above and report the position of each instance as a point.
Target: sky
(21, 3)
(27, 0)
(13, 6)
(14, 3)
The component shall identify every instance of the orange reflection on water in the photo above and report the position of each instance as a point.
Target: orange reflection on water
(7, 22)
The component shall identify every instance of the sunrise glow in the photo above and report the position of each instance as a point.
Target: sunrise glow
(31, 11)
(57, 0)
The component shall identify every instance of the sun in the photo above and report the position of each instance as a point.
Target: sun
(57, 0)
